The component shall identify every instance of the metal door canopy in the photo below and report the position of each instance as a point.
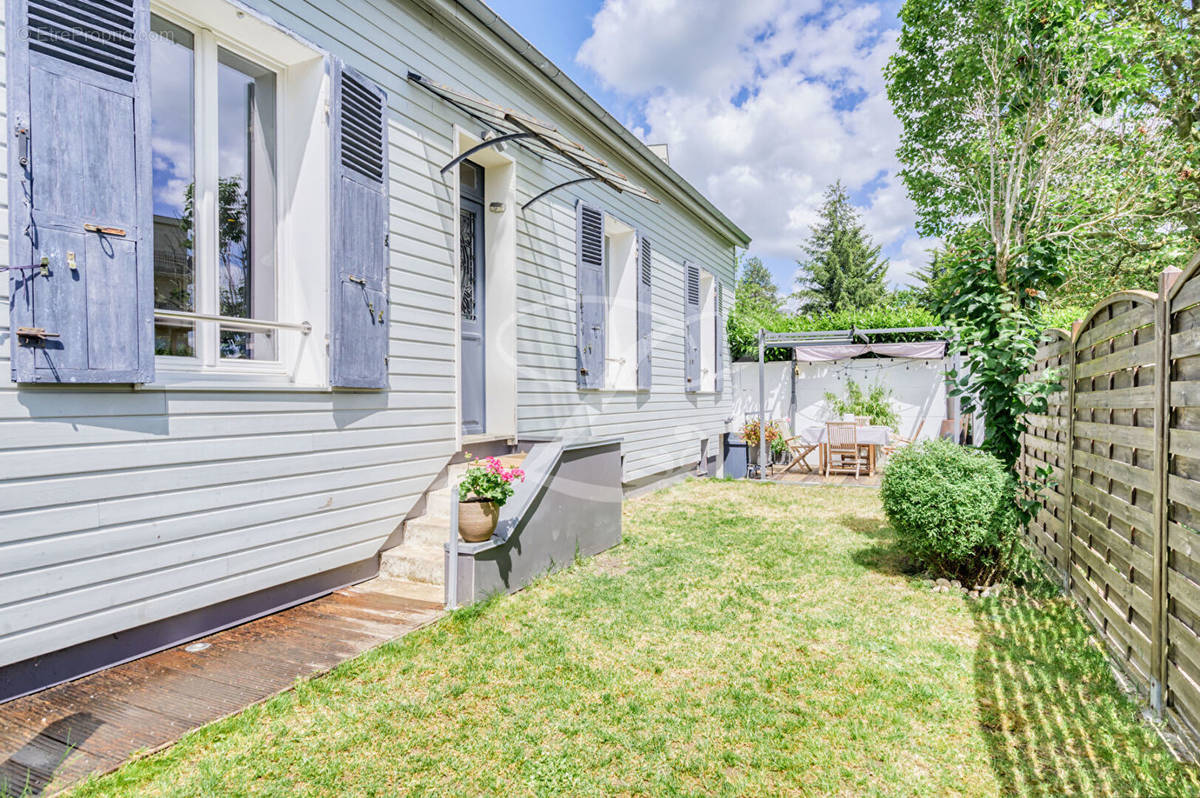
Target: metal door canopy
(539, 137)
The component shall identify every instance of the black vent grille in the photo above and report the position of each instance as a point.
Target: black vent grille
(362, 129)
(96, 34)
(645, 262)
(693, 285)
(591, 243)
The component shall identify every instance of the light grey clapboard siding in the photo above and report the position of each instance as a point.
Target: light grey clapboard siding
(119, 507)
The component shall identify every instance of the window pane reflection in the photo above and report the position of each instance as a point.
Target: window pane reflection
(173, 157)
(246, 202)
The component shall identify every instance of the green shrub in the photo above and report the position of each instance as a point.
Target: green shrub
(953, 509)
(747, 318)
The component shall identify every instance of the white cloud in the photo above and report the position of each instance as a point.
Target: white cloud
(764, 103)
(914, 254)
(641, 45)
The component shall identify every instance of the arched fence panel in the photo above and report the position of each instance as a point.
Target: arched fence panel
(1182, 550)
(1112, 556)
(1130, 552)
(1044, 449)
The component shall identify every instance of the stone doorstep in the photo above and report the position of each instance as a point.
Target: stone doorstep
(424, 564)
(427, 530)
(421, 558)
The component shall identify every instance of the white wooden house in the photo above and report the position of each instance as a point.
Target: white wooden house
(252, 318)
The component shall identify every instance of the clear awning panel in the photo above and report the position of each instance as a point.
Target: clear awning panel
(540, 137)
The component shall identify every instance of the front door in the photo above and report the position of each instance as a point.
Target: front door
(472, 377)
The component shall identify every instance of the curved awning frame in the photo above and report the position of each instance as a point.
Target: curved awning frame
(539, 137)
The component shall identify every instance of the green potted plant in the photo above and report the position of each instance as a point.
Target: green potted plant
(875, 404)
(779, 447)
(751, 436)
(484, 489)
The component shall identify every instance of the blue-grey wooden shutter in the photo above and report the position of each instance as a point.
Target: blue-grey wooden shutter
(645, 315)
(718, 336)
(691, 325)
(590, 281)
(79, 164)
(359, 316)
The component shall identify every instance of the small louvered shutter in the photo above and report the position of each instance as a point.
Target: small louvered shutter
(691, 323)
(359, 314)
(590, 285)
(718, 336)
(644, 315)
(79, 156)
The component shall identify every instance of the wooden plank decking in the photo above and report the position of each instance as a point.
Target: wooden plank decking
(792, 478)
(56, 737)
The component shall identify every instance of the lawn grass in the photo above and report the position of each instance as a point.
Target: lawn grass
(745, 639)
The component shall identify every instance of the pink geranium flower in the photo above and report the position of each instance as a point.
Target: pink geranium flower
(488, 479)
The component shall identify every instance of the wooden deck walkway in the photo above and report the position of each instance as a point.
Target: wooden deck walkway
(792, 478)
(51, 739)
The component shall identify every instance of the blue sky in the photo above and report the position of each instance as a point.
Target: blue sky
(763, 103)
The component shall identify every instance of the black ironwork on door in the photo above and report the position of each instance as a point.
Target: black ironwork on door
(473, 372)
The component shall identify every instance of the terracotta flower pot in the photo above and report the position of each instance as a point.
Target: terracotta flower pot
(477, 520)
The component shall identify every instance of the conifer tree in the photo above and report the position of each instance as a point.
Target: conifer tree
(843, 269)
(755, 288)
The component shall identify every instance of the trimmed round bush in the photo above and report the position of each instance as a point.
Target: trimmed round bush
(953, 508)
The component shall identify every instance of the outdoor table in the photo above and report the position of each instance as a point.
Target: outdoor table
(873, 437)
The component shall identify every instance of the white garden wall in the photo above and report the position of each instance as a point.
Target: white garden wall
(918, 390)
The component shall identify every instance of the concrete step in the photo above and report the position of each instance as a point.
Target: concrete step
(428, 530)
(426, 564)
(402, 588)
(437, 502)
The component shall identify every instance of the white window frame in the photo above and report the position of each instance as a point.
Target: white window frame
(301, 194)
(621, 287)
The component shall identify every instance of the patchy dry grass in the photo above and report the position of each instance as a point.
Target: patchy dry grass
(745, 639)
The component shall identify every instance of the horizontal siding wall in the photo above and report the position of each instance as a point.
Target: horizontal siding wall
(119, 507)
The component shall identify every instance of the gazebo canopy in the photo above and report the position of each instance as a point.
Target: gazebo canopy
(828, 345)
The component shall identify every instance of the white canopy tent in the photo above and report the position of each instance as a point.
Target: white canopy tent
(832, 345)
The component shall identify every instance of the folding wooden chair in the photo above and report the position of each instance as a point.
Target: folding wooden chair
(897, 442)
(800, 448)
(843, 456)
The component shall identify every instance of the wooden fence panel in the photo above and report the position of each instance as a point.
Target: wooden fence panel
(1044, 448)
(1133, 498)
(1182, 553)
(1112, 570)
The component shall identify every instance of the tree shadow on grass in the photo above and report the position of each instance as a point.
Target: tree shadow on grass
(876, 528)
(1054, 720)
(884, 555)
(886, 559)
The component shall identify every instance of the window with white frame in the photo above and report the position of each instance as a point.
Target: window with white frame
(621, 276)
(708, 331)
(226, 217)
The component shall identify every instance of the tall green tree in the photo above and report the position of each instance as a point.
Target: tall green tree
(755, 288)
(1168, 80)
(843, 269)
(929, 280)
(1023, 144)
